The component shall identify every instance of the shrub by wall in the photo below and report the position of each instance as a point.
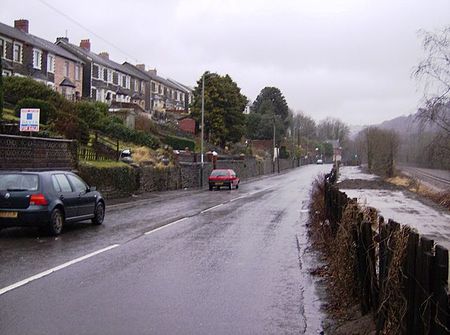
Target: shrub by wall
(47, 110)
(119, 180)
(179, 143)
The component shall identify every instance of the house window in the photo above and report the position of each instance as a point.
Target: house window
(95, 71)
(77, 72)
(128, 82)
(50, 63)
(159, 89)
(17, 52)
(37, 59)
(115, 78)
(2, 48)
(153, 87)
(105, 75)
(142, 87)
(136, 85)
(124, 81)
(109, 76)
(66, 69)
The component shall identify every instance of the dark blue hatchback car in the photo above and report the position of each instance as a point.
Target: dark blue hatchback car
(47, 199)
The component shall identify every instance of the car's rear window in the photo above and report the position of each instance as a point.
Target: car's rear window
(19, 182)
(216, 173)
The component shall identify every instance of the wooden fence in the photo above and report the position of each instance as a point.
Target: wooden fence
(422, 292)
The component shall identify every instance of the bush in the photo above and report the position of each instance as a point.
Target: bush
(179, 143)
(91, 112)
(72, 127)
(112, 181)
(121, 132)
(17, 88)
(146, 125)
(47, 110)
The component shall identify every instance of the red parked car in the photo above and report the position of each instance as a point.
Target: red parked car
(223, 177)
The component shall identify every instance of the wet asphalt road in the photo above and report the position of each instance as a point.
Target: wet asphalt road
(223, 262)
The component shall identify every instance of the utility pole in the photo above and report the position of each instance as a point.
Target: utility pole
(273, 160)
(203, 126)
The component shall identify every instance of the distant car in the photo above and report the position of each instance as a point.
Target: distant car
(319, 161)
(125, 156)
(223, 177)
(48, 200)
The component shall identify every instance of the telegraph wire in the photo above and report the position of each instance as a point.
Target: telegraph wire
(87, 29)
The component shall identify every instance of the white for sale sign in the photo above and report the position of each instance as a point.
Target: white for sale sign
(29, 119)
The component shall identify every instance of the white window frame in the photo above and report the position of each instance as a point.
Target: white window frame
(37, 58)
(128, 82)
(109, 75)
(77, 74)
(4, 47)
(66, 73)
(20, 45)
(51, 63)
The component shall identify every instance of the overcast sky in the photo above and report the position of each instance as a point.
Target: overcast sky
(349, 59)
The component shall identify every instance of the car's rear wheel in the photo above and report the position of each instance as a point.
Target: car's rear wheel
(56, 223)
(99, 214)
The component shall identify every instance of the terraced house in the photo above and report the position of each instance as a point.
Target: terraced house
(166, 95)
(24, 54)
(106, 80)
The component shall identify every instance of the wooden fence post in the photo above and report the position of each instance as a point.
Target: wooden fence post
(410, 284)
(440, 323)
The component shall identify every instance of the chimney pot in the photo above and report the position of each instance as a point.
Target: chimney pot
(141, 67)
(22, 25)
(85, 44)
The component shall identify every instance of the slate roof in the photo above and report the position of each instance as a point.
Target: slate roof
(93, 57)
(151, 76)
(67, 82)
(38, 42)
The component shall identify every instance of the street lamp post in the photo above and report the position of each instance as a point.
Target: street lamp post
(203, 126)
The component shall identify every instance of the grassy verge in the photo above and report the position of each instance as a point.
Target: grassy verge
(414, 185)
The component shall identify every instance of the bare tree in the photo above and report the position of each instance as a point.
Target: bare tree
(433, 73)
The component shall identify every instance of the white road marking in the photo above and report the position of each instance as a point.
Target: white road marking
(57, 268)
(165, 226)
(210, 208)
(238, 198)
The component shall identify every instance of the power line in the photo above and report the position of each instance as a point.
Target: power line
(88, 30)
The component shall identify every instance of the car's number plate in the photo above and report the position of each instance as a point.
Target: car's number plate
(219, 183)
(11, 215)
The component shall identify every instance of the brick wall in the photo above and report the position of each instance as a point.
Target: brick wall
(20, 152)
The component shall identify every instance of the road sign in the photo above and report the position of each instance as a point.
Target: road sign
(29, 119)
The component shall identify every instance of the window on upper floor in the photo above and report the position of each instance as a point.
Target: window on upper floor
(2, 48)
(66, 69)
(37, 59)
(115, 78)
(50, 63)
(105, 75)
(17, 52)
(142, 86)
(95, 71)
(128, 82)
(153, 87)
(124, 81)
(109, 76)
(77, 72)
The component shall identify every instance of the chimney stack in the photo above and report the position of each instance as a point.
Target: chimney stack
(104, 55)
(85, 44)
(141, 67)
(64, 39)
(22, 25)
(152, 72)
